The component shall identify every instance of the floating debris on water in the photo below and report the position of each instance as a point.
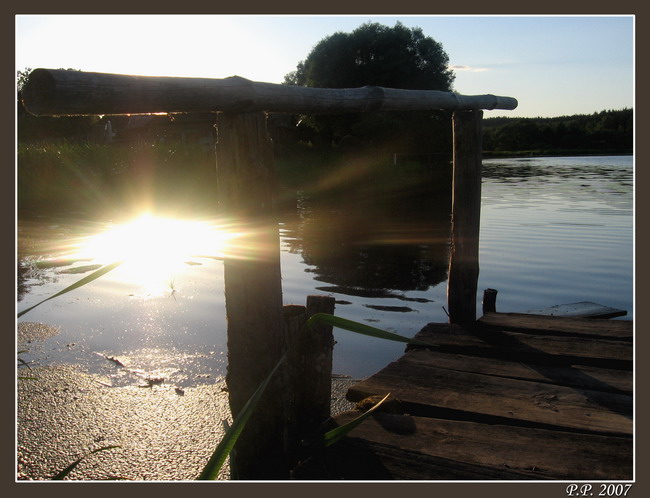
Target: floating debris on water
(370, 293)
(152, 381)
(397, 309)
(415, 299)
(111, 358)
(45, 264)
(81, 269)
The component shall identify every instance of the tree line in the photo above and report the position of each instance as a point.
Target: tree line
(605, 132)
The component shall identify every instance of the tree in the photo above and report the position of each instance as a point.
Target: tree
(21, 77)
(603, 132)
(374, 54)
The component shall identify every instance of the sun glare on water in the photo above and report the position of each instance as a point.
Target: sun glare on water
(154, 250)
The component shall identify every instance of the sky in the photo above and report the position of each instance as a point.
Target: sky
(553, 65)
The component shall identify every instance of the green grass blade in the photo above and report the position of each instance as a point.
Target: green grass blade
(234, 472)
(360, 328)
(211, 470)
(23, 362)
(331, 437)
(86, 280)
(70, 468)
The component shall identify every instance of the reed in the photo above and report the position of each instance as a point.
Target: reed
(64, 473)
(360, 328)
(211, 470)
(86, 280)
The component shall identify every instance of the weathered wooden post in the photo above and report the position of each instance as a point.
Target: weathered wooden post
(256, 337)
(465, 218)
(489, 300)
(309, 372)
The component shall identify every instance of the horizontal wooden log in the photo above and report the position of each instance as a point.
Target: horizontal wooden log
(51, 92)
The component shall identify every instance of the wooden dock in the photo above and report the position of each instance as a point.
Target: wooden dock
(513, 397)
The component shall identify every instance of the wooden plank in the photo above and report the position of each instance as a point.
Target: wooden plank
(579, 376)
(507, 344)
(476, 395)
(59, 92)
(619, 329)
(583, 309)
(355, 459)
(493, 449)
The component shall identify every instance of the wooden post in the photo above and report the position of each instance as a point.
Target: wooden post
(309, 371)
(256, 337)
(489, 301)
(465, 218)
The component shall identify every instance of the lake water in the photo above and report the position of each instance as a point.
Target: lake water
(553, 231)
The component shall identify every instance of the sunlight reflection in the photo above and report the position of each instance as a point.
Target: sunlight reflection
(155, 250)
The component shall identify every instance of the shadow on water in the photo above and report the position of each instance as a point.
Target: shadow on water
(372, 234)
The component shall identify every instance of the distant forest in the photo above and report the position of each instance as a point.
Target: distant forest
(606, 132)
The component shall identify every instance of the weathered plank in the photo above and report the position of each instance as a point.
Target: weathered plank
(578, 376)
(477, 395)
(500, 451)
(615, 329)
(520, 398)
(506, 344)
(356, 459)
(60, 92)
(584, 309)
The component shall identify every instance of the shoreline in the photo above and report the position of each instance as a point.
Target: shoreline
(64, 413)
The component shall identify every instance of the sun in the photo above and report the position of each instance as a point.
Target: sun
(154, 249)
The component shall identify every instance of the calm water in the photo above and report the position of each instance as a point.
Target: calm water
(553, 231)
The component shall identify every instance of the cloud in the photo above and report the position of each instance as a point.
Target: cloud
(469, 69)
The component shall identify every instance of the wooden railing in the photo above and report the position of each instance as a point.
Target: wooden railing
(60, 92)
(257, 333)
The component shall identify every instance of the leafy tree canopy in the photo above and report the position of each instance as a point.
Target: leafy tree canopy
(374, 54)
(21, 77)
